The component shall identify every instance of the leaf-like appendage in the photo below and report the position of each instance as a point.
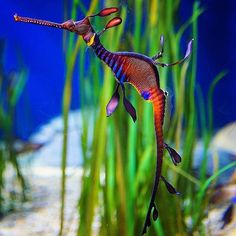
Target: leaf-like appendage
(113, 22)
(169, 187)
(108, 11)
(155, 214)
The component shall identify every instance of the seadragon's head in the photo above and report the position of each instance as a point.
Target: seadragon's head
(82, 27)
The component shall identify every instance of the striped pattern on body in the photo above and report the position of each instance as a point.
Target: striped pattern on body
(157, 98)
(133, 68)
(114, 61)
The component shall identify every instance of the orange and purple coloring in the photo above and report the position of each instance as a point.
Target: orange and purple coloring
(136, 69)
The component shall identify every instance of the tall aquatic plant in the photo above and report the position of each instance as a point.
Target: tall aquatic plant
(118, 156)
(71, 54)
(11, 88)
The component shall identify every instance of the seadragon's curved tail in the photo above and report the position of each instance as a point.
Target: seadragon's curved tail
(158, 99)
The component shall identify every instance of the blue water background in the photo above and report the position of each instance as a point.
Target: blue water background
(41, 51)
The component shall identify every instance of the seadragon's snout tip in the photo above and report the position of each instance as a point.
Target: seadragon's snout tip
(16, 17)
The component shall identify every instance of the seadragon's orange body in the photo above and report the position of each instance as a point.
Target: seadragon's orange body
(133, 68)
(141, 72)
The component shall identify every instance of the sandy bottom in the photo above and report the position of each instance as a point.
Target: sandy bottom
(41, 215)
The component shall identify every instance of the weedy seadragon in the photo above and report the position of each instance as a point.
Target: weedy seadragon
(136, 69)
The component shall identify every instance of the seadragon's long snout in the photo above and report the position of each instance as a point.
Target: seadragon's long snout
(18, 18)
(80, 27)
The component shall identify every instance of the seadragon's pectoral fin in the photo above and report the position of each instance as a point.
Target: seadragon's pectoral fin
(114, 101)
(128, 106)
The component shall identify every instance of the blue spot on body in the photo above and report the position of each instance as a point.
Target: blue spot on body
(107, 59)
(145, 94)
(114, 68)
(103, 55)
(119, 72)
(122, 79)
(100, 51)
(111, 62)
(98, 48)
